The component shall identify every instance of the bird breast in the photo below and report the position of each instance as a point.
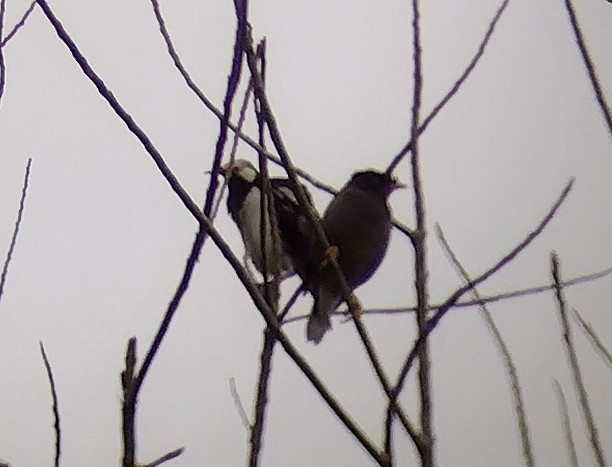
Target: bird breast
(249, 219)
(359, 224)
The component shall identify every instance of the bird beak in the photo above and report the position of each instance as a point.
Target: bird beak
(222, 171)
(398, 184)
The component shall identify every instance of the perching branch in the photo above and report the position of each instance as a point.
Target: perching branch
(519, 405)
(9, 254)
(313, 219)
(271, 290)
(471, 303)
(574, 366)
(56, 416)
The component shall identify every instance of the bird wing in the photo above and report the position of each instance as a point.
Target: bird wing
(358, 224)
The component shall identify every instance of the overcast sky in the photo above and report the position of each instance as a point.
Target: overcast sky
(104, 240)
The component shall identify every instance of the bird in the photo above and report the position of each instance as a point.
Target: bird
(244, 207)
(357, 224)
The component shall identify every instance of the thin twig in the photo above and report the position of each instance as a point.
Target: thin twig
(270, 291)
(9, 254)
(19, 25)
(313, 219)
(165, 458)
(452, 300)
(470, 303)
(128, 410)
(2, 65)
(424, 444)
(455, 87)
(244, 418)
(574, 366)
(241, 118)
(588, 63)
(567, 426)
(519, 405)
(56, 416)
(594, 339)
(261, 398)
(291, 302)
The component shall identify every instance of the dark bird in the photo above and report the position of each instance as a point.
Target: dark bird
(244, 206)
(357, 223)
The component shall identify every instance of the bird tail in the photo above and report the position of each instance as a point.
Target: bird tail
(319, 322)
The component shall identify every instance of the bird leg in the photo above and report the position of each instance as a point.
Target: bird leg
(332, 253)
(271, 292)
(354, 306)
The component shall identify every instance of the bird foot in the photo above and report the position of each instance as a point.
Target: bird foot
(354, 306)
(332, 253)
(270, 292)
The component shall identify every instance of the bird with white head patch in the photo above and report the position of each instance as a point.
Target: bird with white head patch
(244, 205)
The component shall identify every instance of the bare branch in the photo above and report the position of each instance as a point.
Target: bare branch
(2, 65)
(519, 405)
(241, 117)
(128, 410)
(470, 303)
(266, 210)
(283, 313)
(594, 339)
(165, 458)
(56, 416)
(452, 300)
(425, 443)
(9, 255)
(565, 421)
(455, 87)
(588, 63)
(261, 398)
(19, 25)
(238, 403)
(574, 366)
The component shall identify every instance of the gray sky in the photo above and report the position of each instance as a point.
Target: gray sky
(104, 240)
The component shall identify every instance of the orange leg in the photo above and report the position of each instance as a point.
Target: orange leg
(354, 306)
(332, 253)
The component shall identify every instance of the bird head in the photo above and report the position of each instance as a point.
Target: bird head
(240, 168)
(380, 183)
